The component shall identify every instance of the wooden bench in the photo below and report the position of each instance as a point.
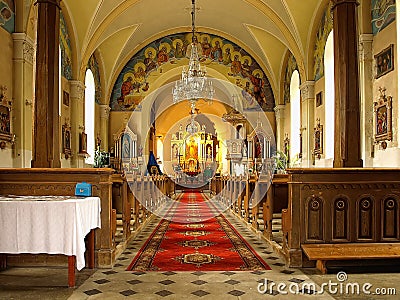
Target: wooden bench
(325, 252)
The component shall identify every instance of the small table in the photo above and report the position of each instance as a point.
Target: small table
(50, 224)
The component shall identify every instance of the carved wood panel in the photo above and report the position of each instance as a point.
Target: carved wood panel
(314, 219)
(365, 217)
(390, 217)
(340, 220)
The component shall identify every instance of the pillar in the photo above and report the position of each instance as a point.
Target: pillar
(46, 128)
(307, 121)
(280, 125)
(76, 96)
(367, 97)
(23, 58)
(104, 123)
(347, 98)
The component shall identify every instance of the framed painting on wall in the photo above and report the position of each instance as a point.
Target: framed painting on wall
(318, 99)
(384, 61)
(318, 140)
(65, 98)
(82, 143)
(66, 139)
(286, 147)
(383, 118)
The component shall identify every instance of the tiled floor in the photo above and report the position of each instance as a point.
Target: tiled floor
(116, 283)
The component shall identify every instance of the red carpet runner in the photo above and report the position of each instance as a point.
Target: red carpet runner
(212, 244)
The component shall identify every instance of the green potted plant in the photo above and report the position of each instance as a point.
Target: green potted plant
(282, 162)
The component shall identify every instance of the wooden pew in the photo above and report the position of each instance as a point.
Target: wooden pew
(346, 206)
(326, 252)
(246, 211)
(276, 200)
(121, 204)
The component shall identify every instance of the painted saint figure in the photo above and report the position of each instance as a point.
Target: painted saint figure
(126, 89)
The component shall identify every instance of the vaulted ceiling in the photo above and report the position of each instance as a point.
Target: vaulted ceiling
(117, 29)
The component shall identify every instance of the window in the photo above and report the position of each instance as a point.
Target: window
(89, 115)
(329, 101)
(295, 114)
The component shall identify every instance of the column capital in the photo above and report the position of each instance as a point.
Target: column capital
(77, 89)
(104, 111)
(365, 48)
(339, 2)
(54, 2)
(279, 111)
(307, 89)
(366, 38)
(24, 49)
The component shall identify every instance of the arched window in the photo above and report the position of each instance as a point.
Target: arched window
(89, 115)
(329, 69)
(295, 114)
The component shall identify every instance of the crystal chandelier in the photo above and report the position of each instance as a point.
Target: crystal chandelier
(193, 84)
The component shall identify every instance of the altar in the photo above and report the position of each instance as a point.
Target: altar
(193, 151)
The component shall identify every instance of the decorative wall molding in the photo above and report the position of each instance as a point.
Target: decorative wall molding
(349, 186)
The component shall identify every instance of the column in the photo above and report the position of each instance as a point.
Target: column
(280, 125)
(46, 127)
(347, 98)
(76, 96)
(367, 97)
(307, 121)
(104, 122)
(23, 58)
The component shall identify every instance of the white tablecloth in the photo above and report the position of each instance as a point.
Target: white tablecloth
(48, 224)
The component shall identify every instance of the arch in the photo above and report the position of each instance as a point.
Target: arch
(134, 51)
(321, 31)
(93, 65)
(134, 81)
(90, 91)
(329, 103)
(314, 35)
(295, 118)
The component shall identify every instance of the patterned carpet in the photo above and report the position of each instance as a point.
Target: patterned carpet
(196, 240)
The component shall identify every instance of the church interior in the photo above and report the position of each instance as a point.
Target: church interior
(190, 149)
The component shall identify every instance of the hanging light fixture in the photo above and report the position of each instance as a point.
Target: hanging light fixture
(193, 84)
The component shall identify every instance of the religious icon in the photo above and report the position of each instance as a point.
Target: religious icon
(383, 117)
(384, 61)
(125, 146)
(83, 143)
(65, 98)
(66, 139)
(318, 139)
(318, 99)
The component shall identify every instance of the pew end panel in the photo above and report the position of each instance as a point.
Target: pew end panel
(359, 206)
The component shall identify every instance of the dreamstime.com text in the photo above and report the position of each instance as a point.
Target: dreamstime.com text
(341, 287)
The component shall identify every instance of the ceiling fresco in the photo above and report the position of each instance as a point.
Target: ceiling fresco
(167, 53)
